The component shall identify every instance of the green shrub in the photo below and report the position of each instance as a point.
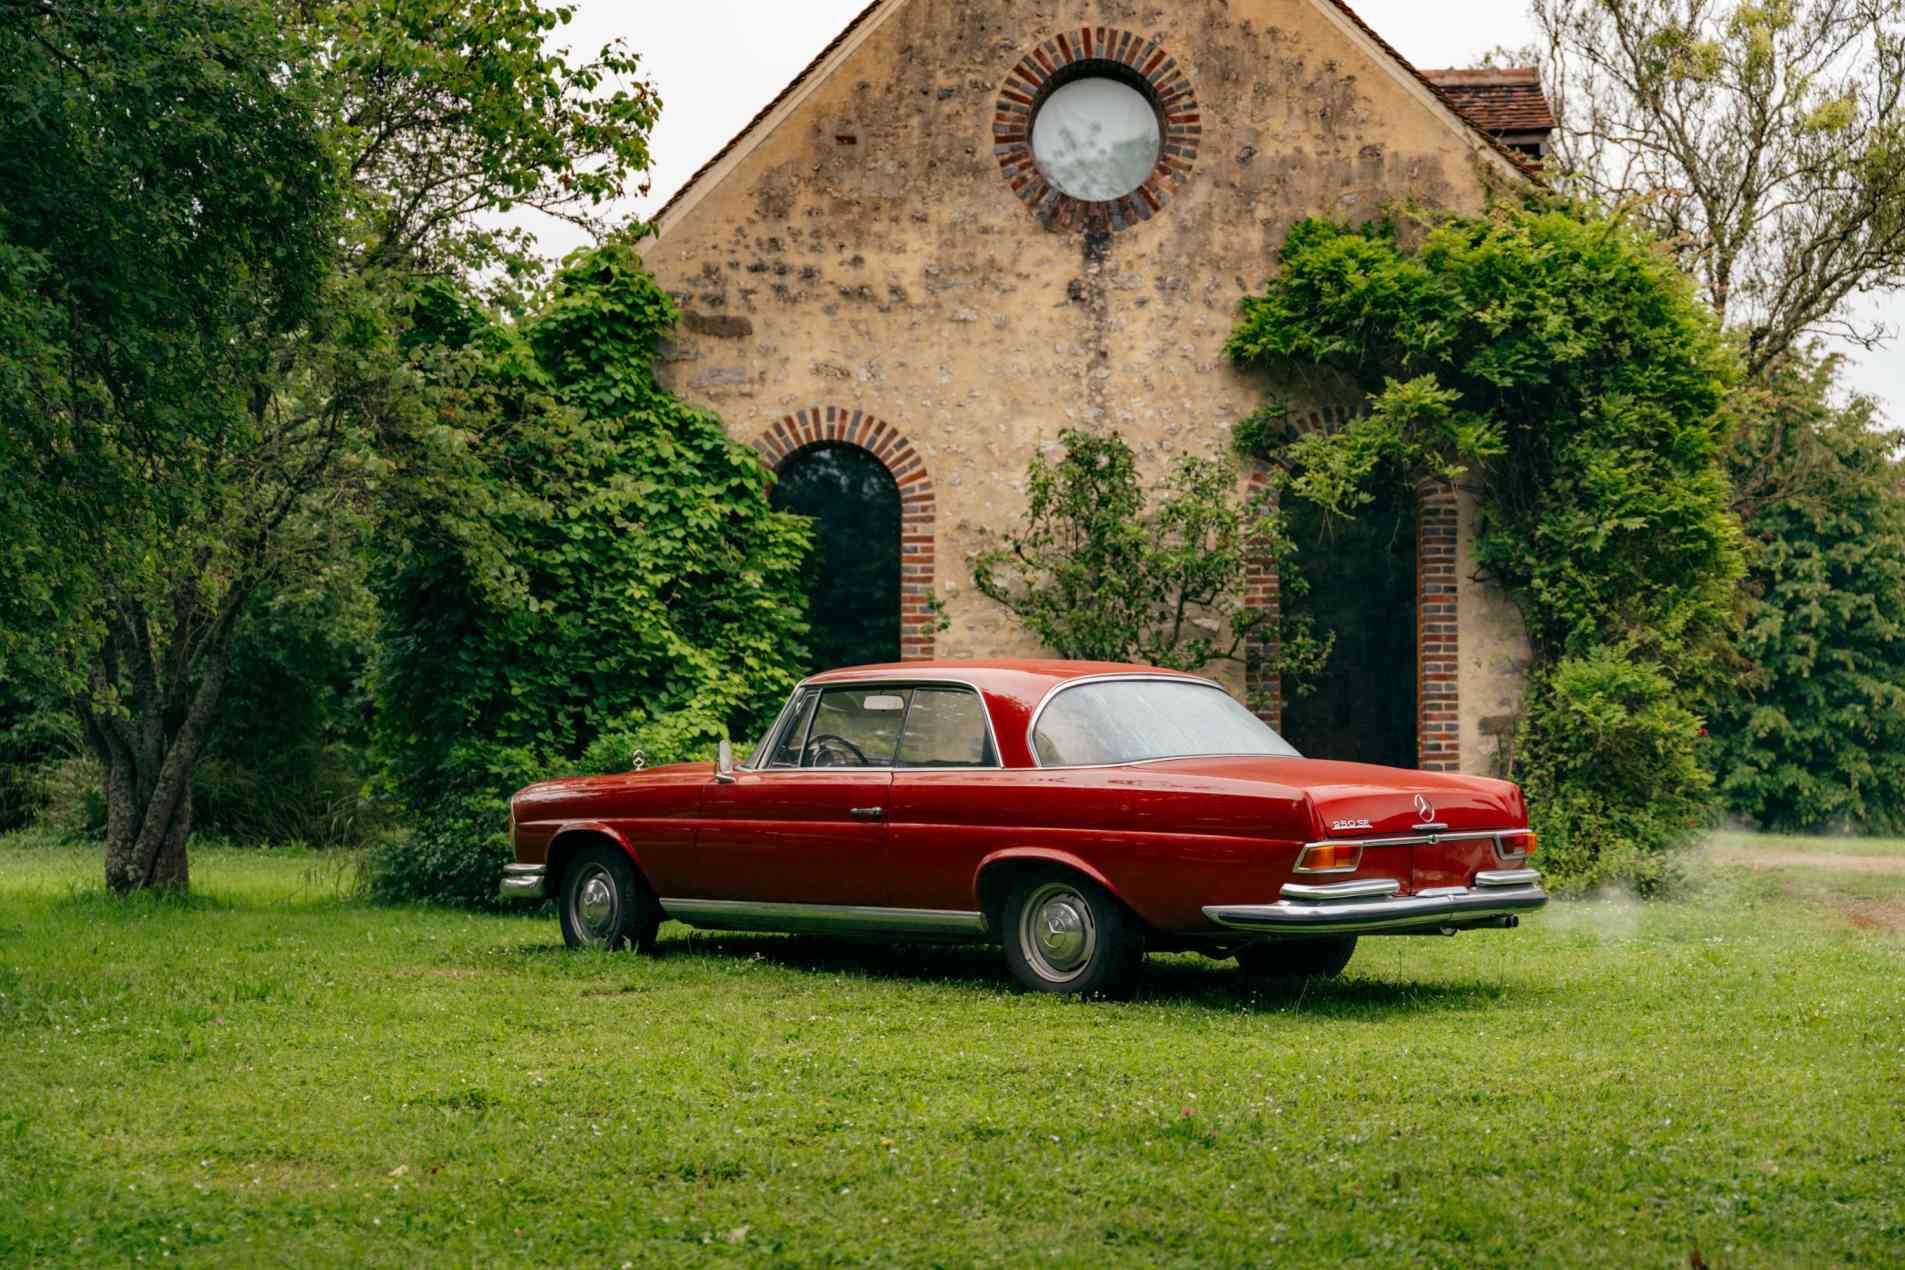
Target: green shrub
(453, 854)
(1103, 569)
(1614, 773)
(456, 847)
(576, 565)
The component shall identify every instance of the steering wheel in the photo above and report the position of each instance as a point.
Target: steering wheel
(820, 755)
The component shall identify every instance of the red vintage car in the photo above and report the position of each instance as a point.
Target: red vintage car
(1077, 813)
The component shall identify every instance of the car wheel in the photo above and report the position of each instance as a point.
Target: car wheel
(1297, 958)
(605, 904)
(1064, 934)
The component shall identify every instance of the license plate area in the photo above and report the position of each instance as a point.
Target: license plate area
(1450, 863)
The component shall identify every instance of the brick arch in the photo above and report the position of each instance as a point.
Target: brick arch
(918, 507)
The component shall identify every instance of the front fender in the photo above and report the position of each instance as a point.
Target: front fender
(570, 836)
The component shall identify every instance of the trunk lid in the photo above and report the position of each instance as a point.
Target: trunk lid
(1398, 807)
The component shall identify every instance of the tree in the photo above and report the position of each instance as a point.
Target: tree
(1765, 142)
(1096, 576)
(216, 217)
(1813, 734)
(1557, 362)
(168, 212)
(600, 570)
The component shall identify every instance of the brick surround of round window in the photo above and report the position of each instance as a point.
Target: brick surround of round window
(1072, 55)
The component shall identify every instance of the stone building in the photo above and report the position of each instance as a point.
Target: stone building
(969, 224)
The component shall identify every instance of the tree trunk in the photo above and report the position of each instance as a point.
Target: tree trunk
(123, 808)
(149, 791)
(169, 871)
(134, 811)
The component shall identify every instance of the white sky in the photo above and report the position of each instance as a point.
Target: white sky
(717, 62)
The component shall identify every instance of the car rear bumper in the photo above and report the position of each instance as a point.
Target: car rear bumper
(1373, 907)
(523, 882)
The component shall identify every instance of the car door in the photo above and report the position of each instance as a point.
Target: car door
(806, 824)
(952, 802)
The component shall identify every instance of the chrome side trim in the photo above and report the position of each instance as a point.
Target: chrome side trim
(1341, 890)
(823, 918)
(523, 882)
(1375, 916)
(1508, 877)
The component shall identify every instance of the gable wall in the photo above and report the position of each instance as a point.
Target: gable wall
(865, 253)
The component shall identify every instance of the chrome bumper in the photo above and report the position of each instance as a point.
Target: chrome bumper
(1372, 906)
(522, 882)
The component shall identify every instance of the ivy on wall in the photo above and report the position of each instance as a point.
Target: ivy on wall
(1558, 363)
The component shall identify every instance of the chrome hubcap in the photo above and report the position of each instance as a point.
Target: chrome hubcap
(596, 904)
(1057, 933)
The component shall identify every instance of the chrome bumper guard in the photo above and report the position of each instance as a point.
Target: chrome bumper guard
(522, 882)
(1372, 906)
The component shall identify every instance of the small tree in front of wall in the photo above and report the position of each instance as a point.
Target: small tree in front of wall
(1096, 572)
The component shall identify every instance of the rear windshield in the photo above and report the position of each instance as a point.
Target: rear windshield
(1130, 720)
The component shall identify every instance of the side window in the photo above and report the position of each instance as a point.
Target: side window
(946, 728)
(794, 735)
(856, 727)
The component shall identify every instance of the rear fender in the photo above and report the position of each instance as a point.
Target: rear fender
(988, 903)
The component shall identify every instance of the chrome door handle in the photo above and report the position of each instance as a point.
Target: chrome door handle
(868, 813)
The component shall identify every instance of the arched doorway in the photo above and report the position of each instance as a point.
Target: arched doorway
(853, 575)
(1362, 590)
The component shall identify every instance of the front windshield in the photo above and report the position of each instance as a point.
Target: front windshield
(1131, 720)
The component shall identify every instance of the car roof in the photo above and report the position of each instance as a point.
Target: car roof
(995, 673)
(1012, 688)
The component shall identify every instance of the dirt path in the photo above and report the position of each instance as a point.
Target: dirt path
(1757, 858)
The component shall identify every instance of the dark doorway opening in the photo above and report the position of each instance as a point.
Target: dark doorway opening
(853, 575)
(1362, 577)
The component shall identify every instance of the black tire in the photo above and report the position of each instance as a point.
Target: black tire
(1092, 947)
(605, 904)
(1322, 958)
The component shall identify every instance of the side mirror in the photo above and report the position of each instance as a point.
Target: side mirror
(724, 761)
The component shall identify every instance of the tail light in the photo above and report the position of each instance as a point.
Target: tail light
(1518, 845)
(1330, 857)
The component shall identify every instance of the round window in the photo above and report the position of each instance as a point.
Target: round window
(1096, 139)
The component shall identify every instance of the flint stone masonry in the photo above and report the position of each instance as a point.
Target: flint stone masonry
(862, 245)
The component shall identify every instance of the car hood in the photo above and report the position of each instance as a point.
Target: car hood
(565, 790)
(1350, 800)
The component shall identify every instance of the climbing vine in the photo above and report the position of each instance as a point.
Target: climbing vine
(1557, 363)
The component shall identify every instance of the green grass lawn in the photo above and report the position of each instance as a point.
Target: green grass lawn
(273, 1073)
(1842, 844)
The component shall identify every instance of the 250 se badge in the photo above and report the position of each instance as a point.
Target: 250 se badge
(1077, 814)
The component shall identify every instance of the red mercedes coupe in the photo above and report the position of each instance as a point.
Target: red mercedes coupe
(1077, 813)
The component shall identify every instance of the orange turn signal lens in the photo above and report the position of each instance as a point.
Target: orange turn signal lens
(1330, 857)
(1520, 844)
